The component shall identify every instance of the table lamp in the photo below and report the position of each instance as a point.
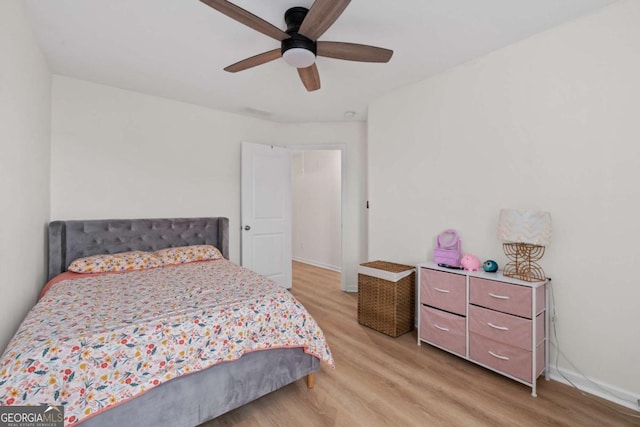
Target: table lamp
(525, 233)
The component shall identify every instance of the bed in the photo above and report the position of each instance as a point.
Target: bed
(186, 397)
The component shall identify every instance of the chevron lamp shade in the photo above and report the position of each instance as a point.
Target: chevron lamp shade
(525, 226)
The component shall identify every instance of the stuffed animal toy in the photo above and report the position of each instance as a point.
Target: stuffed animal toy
(490, 266)
(470, 262)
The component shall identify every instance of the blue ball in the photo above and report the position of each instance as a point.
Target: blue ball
(490, 266)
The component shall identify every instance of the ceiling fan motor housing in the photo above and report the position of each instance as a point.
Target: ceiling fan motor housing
(298, 41)
(293, 18)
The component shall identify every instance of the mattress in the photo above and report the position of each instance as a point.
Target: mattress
(94, 342)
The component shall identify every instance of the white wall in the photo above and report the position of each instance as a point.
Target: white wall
(25, 115)
(117, 154)
(120, 154)
(550, 123)
(317, 231)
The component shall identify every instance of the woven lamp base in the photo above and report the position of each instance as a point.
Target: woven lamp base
(522, 264)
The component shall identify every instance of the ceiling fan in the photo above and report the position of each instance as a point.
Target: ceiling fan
(299, 43)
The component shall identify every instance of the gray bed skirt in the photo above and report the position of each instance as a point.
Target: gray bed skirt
(190, 400)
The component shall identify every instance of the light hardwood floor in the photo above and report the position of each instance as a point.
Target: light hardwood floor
(384, 381)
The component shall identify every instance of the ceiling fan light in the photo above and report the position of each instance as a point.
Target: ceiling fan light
(299, 57)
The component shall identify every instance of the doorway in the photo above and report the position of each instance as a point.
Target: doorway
(317, 199)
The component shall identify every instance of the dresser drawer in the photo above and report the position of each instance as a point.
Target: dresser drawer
(443, 290)
(505, 358)
(443, 329)
(505, 328)
(505, 297)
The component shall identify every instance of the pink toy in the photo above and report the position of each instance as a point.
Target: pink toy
(449, 251)
(470, 262)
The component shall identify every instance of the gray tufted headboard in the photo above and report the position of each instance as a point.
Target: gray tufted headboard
(69, 240)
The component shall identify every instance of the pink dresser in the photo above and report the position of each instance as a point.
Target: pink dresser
(495, 321)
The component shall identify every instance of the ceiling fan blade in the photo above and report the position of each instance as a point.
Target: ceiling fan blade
(246, 18)
(321, 16)
(310, 77)
(254, 61)
(353, 52)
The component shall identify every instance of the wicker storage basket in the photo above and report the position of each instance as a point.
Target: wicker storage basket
(386, 305)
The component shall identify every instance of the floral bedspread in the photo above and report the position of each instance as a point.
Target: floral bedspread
(94, 342)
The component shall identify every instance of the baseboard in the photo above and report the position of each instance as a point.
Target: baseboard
(614, 394)
(317, 264)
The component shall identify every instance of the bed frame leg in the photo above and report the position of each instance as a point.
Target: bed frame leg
(311, 380)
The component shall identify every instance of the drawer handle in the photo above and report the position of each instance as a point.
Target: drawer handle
(502, 328)
(499, 296)
(444, 291)
(441, 327)
(497, 356)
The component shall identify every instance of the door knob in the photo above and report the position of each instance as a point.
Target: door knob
(247, 227)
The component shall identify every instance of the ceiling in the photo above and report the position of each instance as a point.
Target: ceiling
(177, 49)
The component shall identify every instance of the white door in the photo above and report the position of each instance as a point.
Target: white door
(266, 211)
